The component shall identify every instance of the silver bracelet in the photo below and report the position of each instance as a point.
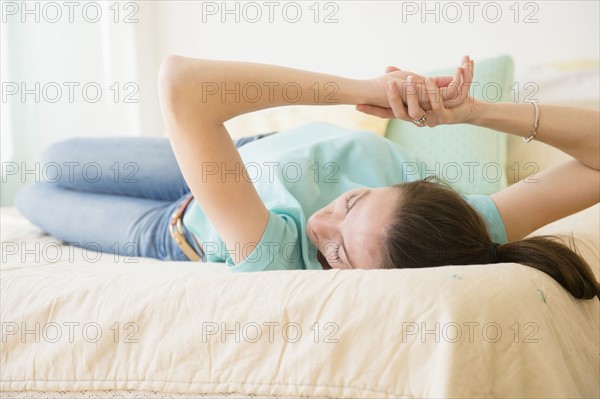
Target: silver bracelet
(535, 125)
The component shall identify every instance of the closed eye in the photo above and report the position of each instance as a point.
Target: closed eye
(348, 209)
(348, 198)
(336, 251)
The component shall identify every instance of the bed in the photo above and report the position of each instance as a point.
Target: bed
(79, 323)
(82, 324)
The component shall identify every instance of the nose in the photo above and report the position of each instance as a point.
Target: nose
(326, 224)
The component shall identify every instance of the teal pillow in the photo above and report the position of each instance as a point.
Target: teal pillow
(471, 159)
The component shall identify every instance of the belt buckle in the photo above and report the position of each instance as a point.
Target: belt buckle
(180, 239)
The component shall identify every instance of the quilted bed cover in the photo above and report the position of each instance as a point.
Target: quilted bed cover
(77, 323)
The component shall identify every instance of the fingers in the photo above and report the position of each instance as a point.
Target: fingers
(467, 77)
(433, 94)
(418, 79)
(455, 92)
(457, 76)
(465, 60)
(414, 109)
(413, 112)
(391, 69)
(454, 87)
(469, 63)
(374, 110)
(442, 81)
(468, 67)
(396, 102)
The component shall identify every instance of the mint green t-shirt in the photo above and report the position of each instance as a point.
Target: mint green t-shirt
(297, 172)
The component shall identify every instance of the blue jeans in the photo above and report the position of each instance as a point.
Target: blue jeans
(113, 195)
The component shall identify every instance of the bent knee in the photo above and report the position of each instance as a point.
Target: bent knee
(55, 152)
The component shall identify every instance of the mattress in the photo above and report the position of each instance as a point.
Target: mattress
(77, 323)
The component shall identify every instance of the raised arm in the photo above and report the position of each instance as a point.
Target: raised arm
(226, 89)
(558, 191)
(197, 97)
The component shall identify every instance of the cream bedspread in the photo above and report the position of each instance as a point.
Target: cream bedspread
(84, 321)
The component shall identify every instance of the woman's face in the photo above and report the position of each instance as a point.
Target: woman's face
(350, 230)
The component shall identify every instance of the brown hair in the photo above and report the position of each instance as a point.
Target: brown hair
(433, 225)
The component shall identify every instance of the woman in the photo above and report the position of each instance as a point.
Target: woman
(321, 197)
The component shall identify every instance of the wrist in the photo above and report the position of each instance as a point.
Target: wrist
(368, 91)
(475, 111)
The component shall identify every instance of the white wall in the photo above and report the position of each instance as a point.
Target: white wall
(373, 34)
(76, 50)
(367, 36)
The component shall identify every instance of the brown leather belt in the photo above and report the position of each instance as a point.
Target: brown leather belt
(176, 230)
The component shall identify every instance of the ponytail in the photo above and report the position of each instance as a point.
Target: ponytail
(555, 259)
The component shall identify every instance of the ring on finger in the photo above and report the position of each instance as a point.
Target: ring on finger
(421, 121)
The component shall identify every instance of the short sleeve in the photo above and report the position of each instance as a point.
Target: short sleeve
(486, 207)
(277, 249)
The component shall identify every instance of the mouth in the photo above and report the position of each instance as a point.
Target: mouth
(320, 257)
(323, 261)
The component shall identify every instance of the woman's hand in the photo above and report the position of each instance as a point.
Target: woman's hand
(439, 113)
(443, 93)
